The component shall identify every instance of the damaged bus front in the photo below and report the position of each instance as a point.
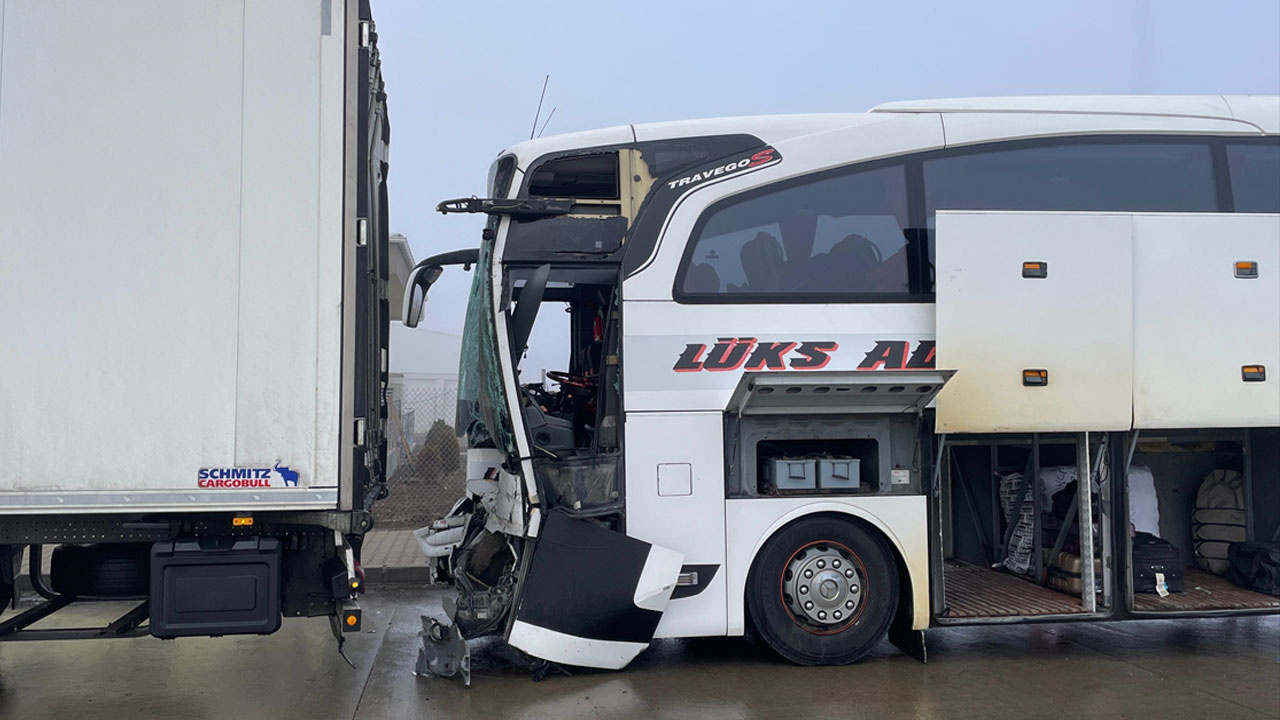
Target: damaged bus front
(538, 548)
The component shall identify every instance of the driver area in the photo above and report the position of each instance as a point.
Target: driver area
(563, 407)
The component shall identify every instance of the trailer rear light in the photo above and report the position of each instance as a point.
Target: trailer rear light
(1036, 270)
(1035, 378)
(351, 620)
(359, 586)
(1253, 373)
(1246, 270)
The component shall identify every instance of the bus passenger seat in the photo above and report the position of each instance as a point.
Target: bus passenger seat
(761, 261)
(849, 260)
(702, 280)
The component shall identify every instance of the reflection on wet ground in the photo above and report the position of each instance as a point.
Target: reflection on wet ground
(1222, 668)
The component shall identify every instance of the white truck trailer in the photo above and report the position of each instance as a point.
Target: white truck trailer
(193, 283)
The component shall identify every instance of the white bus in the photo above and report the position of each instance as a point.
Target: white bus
(836, 376)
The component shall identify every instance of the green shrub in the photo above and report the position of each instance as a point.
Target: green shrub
(439, 451)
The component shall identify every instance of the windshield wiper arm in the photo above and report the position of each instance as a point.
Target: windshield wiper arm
(523, 209)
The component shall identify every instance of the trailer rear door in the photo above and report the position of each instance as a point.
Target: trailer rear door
(175, 209)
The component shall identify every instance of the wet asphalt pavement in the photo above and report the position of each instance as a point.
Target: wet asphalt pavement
(1205, 669)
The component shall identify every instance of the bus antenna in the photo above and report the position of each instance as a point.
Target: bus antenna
(537, 114)
(547, 121)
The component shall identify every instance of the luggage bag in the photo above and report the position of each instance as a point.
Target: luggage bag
(1255, 566)
(1156, 562)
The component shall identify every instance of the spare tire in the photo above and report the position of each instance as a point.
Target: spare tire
(105, 570)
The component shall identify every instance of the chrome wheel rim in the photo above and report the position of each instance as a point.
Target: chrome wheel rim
(823, 587)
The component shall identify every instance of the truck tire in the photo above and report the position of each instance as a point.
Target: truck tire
(823, 591)
(107, 570)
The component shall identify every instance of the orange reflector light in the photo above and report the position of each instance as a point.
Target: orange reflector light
(350, 620)
(1246, 269)
(1035, 269)
(1035, 378)
(1253, 373)
(241, 522)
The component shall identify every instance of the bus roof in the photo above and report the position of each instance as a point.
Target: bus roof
(1260, 111)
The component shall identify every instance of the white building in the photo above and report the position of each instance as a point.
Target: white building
(422, 366)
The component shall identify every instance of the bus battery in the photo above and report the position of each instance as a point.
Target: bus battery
(839, 474)
(791, 474)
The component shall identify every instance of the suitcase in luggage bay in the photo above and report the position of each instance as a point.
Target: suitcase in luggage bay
(1155, 562)
(1065, 572)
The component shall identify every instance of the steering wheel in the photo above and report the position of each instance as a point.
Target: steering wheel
(581, 382)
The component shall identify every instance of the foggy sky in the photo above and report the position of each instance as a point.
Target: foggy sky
(463, 78)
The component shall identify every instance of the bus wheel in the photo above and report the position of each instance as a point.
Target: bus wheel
(823, 591)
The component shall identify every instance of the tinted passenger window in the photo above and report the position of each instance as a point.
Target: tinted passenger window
(1119, 177)
(1115, 176)
(1255, 176)
(838, 236)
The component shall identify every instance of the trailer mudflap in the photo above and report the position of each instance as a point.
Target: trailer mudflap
(591, 596)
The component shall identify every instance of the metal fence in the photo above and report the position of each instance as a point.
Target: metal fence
(426, 465)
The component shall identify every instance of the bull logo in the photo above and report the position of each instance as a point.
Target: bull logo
(290, 476)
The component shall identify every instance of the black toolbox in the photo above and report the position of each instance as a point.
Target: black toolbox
(215, 586)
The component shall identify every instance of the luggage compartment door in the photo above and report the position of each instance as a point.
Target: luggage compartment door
(1198, 320)
(995, 320)
(591, 596)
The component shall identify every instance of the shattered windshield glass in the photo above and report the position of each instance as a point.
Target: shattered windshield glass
(482, 408)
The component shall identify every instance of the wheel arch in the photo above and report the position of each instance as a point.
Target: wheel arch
(913, 587)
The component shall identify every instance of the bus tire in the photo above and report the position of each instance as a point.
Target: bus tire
(823, 590)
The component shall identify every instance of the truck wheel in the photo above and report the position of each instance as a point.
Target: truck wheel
(823, 591)
(108, 570)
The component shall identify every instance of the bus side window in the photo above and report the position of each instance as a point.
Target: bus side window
(1093, 175)
(1255, 175)
(825, 238)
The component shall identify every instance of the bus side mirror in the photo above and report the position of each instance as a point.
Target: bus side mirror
(415, 292)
